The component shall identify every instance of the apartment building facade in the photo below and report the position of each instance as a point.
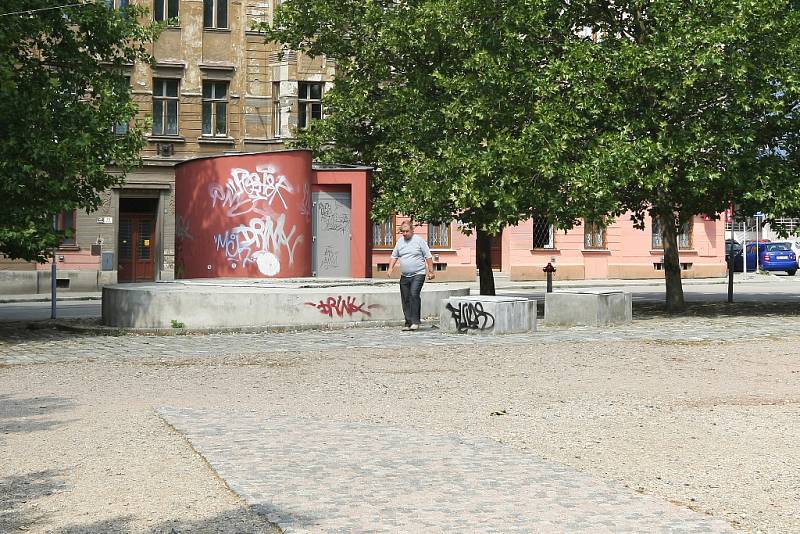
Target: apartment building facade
(215, 87)
(588, 251)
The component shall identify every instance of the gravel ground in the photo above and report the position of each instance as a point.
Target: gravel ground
(710, 426)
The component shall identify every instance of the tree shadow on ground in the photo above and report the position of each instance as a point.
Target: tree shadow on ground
(16, 332)
(20, 512)
(18, 494)
(30, 414)
(244, 520)
(649, 310)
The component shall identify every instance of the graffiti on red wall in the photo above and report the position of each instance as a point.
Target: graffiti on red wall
(247, 191)
(262, 240)
(341, 306)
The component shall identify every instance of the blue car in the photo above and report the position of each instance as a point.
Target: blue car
(771, 257)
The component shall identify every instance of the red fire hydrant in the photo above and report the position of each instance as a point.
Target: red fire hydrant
(549, 269)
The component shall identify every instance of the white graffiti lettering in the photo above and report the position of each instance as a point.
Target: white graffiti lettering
(246, 191)
(305, 207)
(260, 242)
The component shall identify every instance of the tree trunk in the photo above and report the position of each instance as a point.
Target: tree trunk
(672, 266)
(483, 259)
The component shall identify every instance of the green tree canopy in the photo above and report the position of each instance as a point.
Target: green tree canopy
(63, 87)
(700, 108)
(449, 100)
(490, 112)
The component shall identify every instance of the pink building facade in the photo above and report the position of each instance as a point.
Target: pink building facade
(618, 251)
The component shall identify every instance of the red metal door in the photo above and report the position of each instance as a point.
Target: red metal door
(136, 247)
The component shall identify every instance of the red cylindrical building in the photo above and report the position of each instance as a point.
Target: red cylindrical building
(244, 216)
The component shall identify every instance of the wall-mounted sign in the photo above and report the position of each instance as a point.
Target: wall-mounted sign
(105, 220)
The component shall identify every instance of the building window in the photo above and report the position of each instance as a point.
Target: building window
(117, 4)
(65, 222)
(165, 107)
(594, 235)
(276, 109)
(309, 103)
(383, 234)
(215, 108)
(543, 233)
(684, 236)
(165, 9)
(439, 235)
(215, 14)
(121, 128)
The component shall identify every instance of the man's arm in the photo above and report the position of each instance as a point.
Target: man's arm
(392, 263)
(431, 274)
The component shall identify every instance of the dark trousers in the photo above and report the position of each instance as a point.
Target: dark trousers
(410, 288)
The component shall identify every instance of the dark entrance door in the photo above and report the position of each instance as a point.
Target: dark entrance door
(497, 252)
(137, 232)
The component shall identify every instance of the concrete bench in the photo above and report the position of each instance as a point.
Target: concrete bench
(592, 307)
(481, 314)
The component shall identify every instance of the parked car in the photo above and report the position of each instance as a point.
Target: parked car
(776, 256)
(738, 260)
(794, 242)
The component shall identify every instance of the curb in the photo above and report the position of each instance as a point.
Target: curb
(122, 331)
(14, 300)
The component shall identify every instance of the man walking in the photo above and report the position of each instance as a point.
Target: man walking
(414, 256)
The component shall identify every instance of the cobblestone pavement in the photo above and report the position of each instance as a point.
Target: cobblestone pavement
(21, 346)
(320, 473)
(319, 476)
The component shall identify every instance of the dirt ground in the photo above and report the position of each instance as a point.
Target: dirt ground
(707, 425)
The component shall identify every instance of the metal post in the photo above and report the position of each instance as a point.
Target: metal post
(757, 243)
(53, 287)
(53, 274)
(744, 249)
(549, 270)
(732, 260)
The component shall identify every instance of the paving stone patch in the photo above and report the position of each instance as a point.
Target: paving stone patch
(19, 347)
(324, 476)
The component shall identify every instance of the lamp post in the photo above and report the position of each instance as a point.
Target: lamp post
(731, 256)
(53, 275)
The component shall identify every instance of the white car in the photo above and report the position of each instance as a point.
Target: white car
(794, 242)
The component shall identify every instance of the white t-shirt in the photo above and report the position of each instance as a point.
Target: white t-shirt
(412, 254)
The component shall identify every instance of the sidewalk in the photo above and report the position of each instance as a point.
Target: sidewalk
(45, 297)
(501, 283)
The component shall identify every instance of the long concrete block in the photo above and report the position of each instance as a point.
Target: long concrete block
(480, 314)
(17, 282)
(206, 305)
(592, 307)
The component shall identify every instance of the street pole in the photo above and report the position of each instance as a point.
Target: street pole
(731, 261)
(53, 287)
(53, 275)
(758, 241)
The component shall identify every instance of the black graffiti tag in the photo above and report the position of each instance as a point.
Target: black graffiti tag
(471, 316)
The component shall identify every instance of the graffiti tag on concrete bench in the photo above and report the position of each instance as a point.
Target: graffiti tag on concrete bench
(471, 316)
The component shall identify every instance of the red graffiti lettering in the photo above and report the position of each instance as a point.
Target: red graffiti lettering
(341, 306)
